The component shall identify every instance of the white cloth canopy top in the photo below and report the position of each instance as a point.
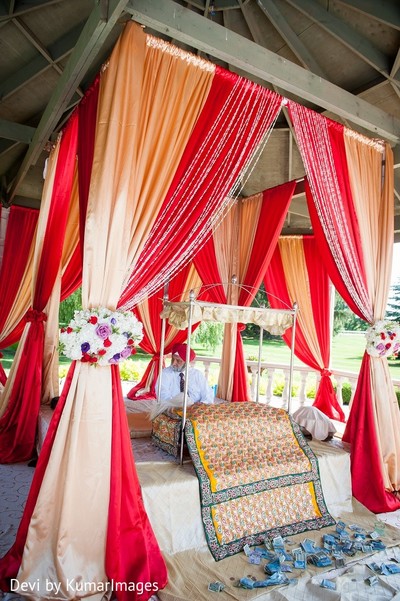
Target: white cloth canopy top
(275, 321)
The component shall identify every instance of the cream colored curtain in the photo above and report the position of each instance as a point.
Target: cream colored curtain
(193, 282)
(144, 122)
(233, 243)
(374, 202)
(27, 288)
(298, 285)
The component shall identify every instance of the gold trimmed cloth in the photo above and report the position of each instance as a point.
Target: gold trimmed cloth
(275, 321)
(258, 476)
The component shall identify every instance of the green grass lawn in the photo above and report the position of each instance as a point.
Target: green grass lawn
(347, 353)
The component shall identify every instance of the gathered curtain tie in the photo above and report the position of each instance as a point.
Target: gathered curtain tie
(326, 372)
(34, 315)
(241, 327)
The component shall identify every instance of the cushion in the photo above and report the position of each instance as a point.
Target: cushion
(316, 423)
(166, 433)
(139, 425)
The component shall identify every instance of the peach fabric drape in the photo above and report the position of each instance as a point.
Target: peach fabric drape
(137, 148)
(297, 281)
(193, 282)
(27, 288)
(23, 298)
(233, 242)
(141, 144)
(375, 206)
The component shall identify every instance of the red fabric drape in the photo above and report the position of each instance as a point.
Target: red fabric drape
(218, 148)
(336, 229)
(332, 214)
(18, 423)
(3, 377)
(19, 235)
(274, 208)
(128, 524)
(279, 298)
(367, 479)
(272, 215)
(146, 388)
(87, 111)
(10, 563)
(86, 114)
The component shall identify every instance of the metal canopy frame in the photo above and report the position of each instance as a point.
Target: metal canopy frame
(190, 305)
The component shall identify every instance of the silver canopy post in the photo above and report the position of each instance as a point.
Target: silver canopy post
(259, 365)
(185, 389)
(162, 343)
(295, 308)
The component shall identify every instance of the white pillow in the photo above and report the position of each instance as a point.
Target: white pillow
(315, 422)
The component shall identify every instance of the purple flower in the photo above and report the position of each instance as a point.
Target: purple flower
(103, 331)
(113, 321)
(117, 356)
(85, 347)
(126, 352)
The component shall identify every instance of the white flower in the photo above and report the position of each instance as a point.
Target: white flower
(100, 336)
(383, 338)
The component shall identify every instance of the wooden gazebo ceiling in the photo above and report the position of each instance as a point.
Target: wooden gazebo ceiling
(339, 57)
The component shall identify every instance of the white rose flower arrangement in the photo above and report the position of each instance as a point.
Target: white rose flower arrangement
(101, 336)
(383, 338)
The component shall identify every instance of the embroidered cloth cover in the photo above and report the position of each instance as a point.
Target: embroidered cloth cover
(258, 476)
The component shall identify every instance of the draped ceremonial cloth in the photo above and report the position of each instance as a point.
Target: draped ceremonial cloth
(297, 274)
(258, 477)
(22, 393)
(241, 246)
(148, 312)
(84, 520)
(16, 272)
(351, 202)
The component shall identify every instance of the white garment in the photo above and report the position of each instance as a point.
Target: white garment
(315, 422)
(198, 389)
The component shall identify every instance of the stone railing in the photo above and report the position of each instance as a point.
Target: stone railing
(276, 376)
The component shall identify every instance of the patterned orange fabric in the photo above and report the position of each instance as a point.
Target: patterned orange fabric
(258, 476)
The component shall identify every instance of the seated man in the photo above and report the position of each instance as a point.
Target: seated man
(172, 380)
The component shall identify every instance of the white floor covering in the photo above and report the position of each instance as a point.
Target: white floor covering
(14, 486)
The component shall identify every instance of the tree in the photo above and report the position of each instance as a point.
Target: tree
(345, 319)
(69, 306)
(393, 306)
(209, 334)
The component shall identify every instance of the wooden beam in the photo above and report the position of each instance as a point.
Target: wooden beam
(396, 156)
(34, 40)
(58, 50)
(184, 25)
(89, 43)
(7, 146)
(386, 12)
(23, 8)
(396, 64)
(344, 34)
(295, 44)
(16, 132)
